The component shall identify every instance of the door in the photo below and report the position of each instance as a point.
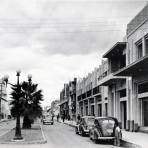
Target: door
(99, 110)
(145, 112)
(123, 114)
(92, 110)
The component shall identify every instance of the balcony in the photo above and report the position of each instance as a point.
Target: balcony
(137, 68)
(110, 79)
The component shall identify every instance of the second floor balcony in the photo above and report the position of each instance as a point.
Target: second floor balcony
(137, 68)
(116, 60)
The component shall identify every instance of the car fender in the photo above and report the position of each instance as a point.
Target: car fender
(97, 132)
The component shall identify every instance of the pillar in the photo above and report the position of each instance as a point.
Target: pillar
(96, 107)
(143, 47)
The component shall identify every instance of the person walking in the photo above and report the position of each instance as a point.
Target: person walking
(63, 117)
(58, 117)
(78, 118)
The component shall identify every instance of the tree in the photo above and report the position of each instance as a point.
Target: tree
(32, 103)
(17, 108)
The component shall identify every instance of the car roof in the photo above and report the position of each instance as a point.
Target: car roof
(88, 117)
(106, 118)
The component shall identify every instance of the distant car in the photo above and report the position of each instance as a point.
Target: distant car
(84, 125)
(106, 128)
(48, 120)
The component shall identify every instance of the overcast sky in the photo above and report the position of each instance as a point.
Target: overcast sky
(57, 40)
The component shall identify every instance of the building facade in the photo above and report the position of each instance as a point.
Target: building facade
(92, 99)
(119, 87)
(137, 70)
(68, 100)
(72, 99)
(55, 108)
(4, 105)
(64, 96)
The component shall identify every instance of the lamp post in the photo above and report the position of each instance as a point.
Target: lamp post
(29, 80)
(18, 135)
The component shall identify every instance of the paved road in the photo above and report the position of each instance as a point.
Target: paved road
(60, 135)
(63, 136)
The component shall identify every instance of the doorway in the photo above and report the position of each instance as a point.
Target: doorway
(123, 114)
(145, 111)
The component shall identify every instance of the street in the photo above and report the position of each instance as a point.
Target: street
(63, 136)
(60, 135)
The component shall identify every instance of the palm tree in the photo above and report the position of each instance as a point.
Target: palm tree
(32, 104)
(17, 108)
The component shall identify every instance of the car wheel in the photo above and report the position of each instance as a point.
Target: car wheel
(90, 136)
(82, 133)
(95, 140)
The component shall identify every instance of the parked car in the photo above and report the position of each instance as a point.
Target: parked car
(106, 128)
(84, 125)
(48, 120)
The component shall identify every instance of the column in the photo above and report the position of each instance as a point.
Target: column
(89, 111)
(95, 106)
(143, 47)
(128, 103)
(110, 103)
(83, 108)
(131, 105)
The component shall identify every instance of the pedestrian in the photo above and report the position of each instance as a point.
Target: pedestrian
(78, 118)
(52, 117)
(117, 133)
(58, 117)
(63, 117)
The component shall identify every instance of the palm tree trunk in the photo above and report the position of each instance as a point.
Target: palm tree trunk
(26, 122)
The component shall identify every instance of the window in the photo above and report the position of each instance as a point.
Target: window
(143, 88)
(123, 93)
(146, 45)
(99, 110)
(139, 49)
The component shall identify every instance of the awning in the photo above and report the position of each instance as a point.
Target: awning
(115, 50)
(138, 67)
(110, 79)
(63, 102)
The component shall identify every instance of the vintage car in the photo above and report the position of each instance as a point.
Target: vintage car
(48, 120)
(84, 125)
(106, 128)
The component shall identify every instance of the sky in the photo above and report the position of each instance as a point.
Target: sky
(57, 40)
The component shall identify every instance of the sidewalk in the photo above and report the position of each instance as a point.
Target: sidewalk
(34, 135)
(136, 139)
(130, 139)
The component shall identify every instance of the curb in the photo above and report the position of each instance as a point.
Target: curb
(129, 144)
(70, 125)
(45, 141)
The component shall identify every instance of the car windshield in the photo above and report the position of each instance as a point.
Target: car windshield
(90, 121)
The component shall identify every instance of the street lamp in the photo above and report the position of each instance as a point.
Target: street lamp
(29, 80)
(18, 135)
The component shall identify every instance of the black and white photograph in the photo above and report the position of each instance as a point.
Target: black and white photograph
(73, 74)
